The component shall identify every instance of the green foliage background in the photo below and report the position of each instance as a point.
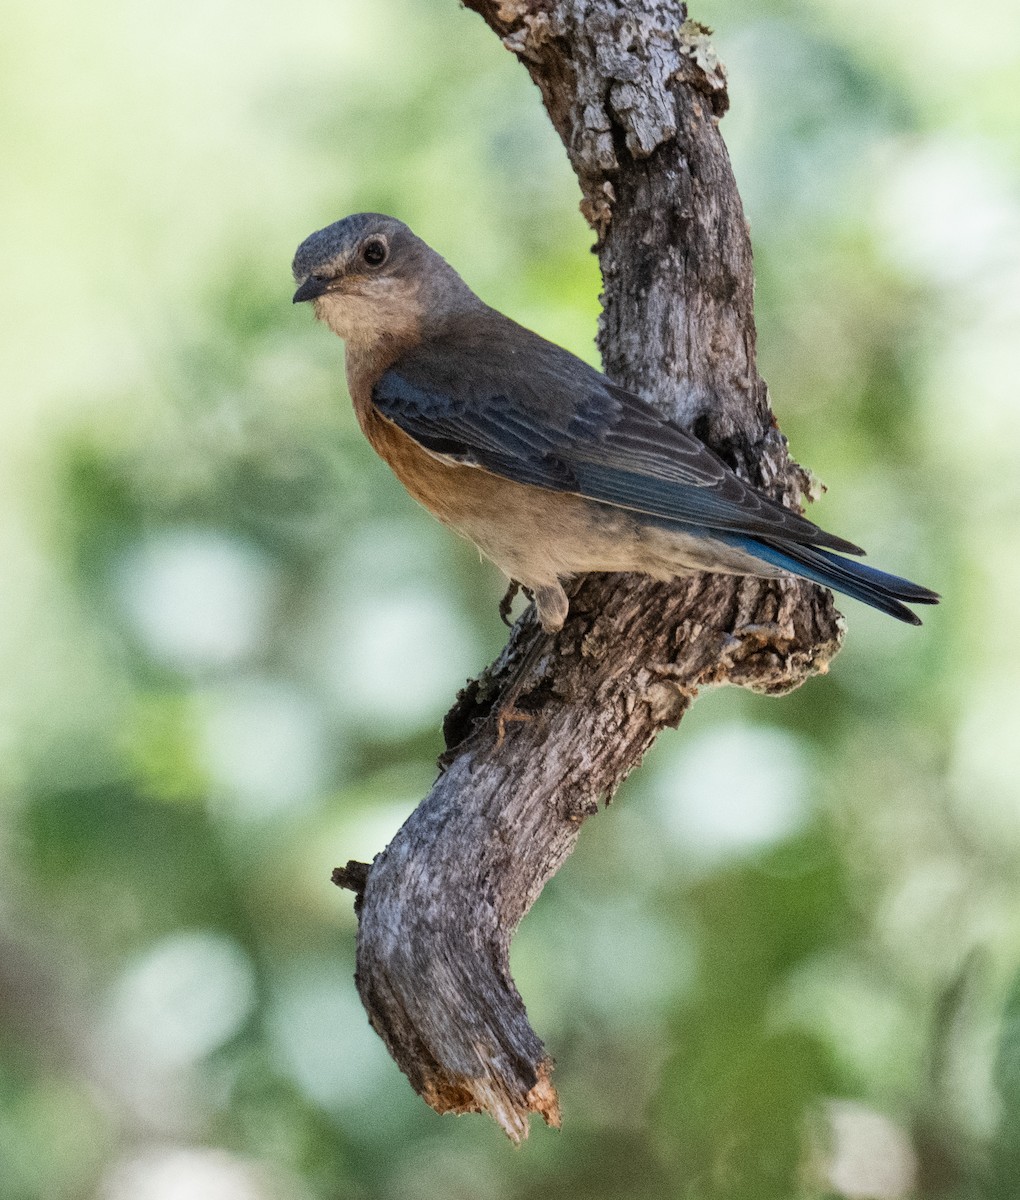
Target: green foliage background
(784, 962)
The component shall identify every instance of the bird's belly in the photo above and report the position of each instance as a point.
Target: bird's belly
(538, 536)
(529, 532)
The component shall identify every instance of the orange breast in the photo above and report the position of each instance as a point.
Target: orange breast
(458, 496)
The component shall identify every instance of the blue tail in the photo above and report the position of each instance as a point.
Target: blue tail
(880, 590)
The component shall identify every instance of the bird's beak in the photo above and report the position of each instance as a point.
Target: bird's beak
(311, 288)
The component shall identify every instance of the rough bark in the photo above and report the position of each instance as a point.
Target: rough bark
(555, 724)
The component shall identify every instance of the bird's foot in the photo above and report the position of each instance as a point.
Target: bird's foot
(506, 603)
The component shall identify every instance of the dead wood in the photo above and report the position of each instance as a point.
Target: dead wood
(636, 94)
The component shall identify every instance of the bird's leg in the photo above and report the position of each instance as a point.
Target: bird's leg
(507, 602)
(552, 605)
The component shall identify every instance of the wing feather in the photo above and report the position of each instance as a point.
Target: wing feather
(520, 407)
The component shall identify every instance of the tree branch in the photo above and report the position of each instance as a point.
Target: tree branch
(636, 95)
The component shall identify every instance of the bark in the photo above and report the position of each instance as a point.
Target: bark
(552, 728)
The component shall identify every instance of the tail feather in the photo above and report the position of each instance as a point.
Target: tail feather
(877, 588)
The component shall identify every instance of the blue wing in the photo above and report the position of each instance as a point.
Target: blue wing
(493, 395)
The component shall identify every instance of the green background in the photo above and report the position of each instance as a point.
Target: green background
(785, 961)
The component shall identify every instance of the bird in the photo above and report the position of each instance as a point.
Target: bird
(546, 465)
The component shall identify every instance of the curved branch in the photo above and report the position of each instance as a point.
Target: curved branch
(636, 94)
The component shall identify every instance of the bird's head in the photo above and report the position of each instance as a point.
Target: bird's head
(370, 277)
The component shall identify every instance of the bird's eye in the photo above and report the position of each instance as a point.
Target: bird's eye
(374, 252)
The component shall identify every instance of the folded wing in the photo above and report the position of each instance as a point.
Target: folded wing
(564, 426)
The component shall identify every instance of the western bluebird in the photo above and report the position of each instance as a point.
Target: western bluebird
(550, 468)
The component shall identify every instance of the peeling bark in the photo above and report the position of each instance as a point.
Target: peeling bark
(556, 723)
